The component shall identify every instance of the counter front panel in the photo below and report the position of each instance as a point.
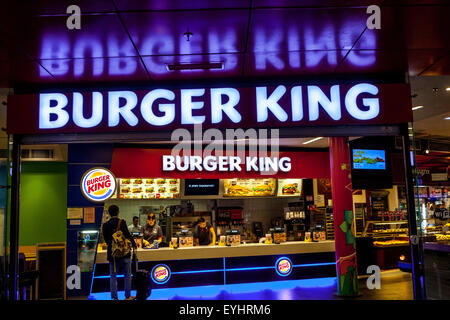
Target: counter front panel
(295, 260)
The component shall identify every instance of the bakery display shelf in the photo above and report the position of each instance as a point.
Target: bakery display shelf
(387, 222)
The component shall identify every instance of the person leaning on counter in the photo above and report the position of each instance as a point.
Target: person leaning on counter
(151, 231)
(203, 232)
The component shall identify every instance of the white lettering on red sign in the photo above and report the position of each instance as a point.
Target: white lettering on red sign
(122, 107)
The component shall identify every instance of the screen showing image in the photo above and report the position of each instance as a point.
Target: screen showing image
(201, 187)
(369, 159)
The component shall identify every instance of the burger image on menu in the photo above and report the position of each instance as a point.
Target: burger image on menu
(149, 181)
(125, 190)
(263, 190)
(162, 189)
(137, 190)
(125, 181)
(290, 189)
(161, 181)
(137, 181)
(150, 190)
(173, 189)
(173, 181)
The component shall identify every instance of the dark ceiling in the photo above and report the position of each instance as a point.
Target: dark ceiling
(136, 40)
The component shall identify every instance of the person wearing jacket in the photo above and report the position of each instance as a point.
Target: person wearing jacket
(122, 265)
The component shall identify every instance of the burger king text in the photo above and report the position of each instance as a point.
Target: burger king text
(98, 183)
(225, 163)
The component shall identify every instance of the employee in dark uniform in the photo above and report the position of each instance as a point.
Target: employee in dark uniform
(203, 233)
(151, 231)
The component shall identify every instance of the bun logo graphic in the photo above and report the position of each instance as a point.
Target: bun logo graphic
(98, 184)
(161, 274)
(283, 266)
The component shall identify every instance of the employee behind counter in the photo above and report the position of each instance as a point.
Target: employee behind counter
(151, 231)
(203, 233)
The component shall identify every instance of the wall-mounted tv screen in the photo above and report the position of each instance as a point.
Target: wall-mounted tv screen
(369, 159)
(201, 187)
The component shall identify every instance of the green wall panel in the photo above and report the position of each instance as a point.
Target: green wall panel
(43, 203)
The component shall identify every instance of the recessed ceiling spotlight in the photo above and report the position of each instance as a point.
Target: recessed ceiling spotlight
(447, 118)
(427, 151)
(417, 107)
(447, 89)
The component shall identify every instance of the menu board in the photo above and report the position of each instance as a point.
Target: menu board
(149, 188)
(289, 187)
(249, 187)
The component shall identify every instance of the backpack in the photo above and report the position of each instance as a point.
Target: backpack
(120, 245)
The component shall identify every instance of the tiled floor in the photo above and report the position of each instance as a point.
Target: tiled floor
(395, 285)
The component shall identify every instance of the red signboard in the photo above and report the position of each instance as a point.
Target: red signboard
(137, 162)
(226, 107)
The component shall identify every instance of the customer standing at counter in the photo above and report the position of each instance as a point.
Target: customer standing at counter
(151, 230)
(203, 232)
(123, 265)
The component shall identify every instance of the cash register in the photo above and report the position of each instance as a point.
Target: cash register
(185, 238)
(278, 234)
(233, 237)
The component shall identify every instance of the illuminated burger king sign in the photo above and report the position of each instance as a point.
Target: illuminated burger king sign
(98, 184)
(283, 266)
(160, 273)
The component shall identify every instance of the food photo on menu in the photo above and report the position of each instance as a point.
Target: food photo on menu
(249, 187)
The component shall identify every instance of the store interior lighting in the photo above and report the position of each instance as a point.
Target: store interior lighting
(312, 140)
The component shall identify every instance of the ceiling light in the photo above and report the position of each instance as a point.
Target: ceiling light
(427, 151)
(417, 107)
(312, 140)
(448, 118)
(447, 89)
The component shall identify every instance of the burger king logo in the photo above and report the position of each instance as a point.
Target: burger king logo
(160, 274)
(283, 266)
(98, 184)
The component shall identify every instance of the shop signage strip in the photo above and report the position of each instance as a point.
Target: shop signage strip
(134, 163)
(225, 107)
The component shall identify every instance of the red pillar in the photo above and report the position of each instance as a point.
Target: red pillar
(344, 226)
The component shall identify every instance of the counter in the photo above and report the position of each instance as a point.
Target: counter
(208, 252)
(442, 246)
(214, 265)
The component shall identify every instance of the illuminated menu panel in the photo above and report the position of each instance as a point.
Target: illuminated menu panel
(289, 187)
(249, 187)
(149, 188)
